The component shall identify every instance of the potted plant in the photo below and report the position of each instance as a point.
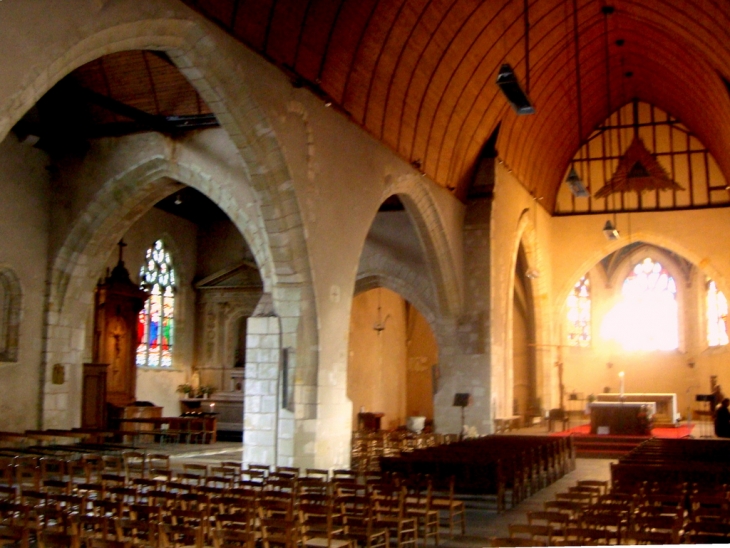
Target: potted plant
(185, 389)
(205, 391)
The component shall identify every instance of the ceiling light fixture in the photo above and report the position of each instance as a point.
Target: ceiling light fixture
(507, 79)
(576, 185)
(178, 200)
(574, 182)
(610, 231)
(510, 86)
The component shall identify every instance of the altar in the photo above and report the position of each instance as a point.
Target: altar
(665, 404)
(621, 418)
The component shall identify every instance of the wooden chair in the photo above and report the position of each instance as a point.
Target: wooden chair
(158, 461)
(233, 538)
(320, 473)
(418, 506)
(534, 532)
(364, 532)
(283, 533)
(14, 535)
(454, 508)
(318, 529)
(135, 464)
(112, 464)
(139, 533)
(180, 536)
(52, 539)
(508, 542)
(557, 521)
(388, 510)
(94, 528)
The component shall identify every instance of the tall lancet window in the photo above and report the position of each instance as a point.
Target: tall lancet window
(646, 316)
(156, 320)
(579, 314)
(716, 316)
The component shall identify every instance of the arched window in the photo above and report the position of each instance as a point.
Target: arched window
(156, 320)
(9, 315)
(716, 316)
(579, 314)
(646, 317)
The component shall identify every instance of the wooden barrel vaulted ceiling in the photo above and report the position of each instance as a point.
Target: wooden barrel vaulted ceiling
(419, 75)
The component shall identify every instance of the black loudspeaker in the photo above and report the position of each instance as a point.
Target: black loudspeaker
(462, 399)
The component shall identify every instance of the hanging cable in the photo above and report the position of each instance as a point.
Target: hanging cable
(527, 47)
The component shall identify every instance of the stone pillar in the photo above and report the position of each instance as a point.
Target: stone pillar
(261, 405)
(465, 364)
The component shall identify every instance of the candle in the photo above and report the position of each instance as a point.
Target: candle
(621, 384)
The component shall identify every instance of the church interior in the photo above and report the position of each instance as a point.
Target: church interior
(297, 216)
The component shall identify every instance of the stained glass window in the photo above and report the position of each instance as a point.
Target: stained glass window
(716, 316)
(155, 326)
(646, 317)
(579, 314)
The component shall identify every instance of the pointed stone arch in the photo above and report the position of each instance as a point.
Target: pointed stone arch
(443, 262)
(220, 79)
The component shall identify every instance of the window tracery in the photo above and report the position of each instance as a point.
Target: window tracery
(155, 327)
(646, 316)
(9, 315)
(579, 314)
(717, 309)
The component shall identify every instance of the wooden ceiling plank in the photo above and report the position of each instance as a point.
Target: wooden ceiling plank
(376, 128)
(458, 52)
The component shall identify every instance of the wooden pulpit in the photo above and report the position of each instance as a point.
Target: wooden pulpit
(117, 303)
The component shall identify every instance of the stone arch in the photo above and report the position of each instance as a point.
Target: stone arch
(120, 201)
(222, 84)
(10, 306)
(526, 236)
(427, 221)
(221, 81)
(648, 237)
(368, 281)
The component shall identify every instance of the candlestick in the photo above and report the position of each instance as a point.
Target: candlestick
(621, 384)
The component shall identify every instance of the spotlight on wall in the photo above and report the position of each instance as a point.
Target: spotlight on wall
(532, 273)
(576, 185)
(610, 232)
(507, 82)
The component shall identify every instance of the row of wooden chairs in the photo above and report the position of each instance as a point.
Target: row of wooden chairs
(111, 493)
(314, 515)
(590, 513)
(368, 447)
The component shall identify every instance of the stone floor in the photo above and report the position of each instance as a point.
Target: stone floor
(483, 521)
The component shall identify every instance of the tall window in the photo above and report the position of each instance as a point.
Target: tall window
(716, 316)
(156, 324)
(646, 317)
(579, 314)
(9, 315)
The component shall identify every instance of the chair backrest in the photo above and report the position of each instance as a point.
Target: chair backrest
(279, 532)
(233, 538)
(181, 536)
(158, 461)
(52, 539)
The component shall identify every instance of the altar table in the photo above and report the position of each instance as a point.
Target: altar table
(619, 418)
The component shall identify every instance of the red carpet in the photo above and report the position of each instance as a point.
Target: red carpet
(585, 430)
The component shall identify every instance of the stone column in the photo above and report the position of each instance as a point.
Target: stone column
(465, 363)
(261, 405)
